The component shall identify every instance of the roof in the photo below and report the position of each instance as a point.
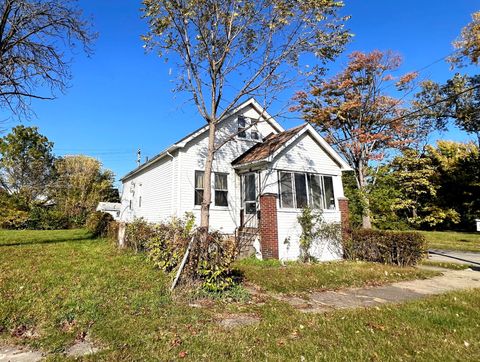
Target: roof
(182, 142)
(272, 143)
(109, 206)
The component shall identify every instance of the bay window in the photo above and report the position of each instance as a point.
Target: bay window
(298, 190)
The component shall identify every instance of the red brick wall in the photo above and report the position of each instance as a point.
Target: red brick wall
(344, 216)
(268, 226)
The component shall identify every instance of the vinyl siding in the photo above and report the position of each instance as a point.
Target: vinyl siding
(303, 155)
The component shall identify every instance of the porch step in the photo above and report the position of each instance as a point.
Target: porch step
(245, 239)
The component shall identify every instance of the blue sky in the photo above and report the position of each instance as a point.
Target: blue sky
(121, 99)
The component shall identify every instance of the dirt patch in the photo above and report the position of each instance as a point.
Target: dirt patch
(229, 321)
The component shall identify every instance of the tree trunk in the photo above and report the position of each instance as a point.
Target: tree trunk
(366, 219)
(207, 181)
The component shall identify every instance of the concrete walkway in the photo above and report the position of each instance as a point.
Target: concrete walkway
(450, 280)
(454, 256)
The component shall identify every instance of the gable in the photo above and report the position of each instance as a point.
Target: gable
(226, 127)
(306, 154)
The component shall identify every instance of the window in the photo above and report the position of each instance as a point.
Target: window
(139, 201)
(301, 190)
(315, 191)
(130, 204)
(221, 190)
(250, 188)
(329, 195)
(297, 190)
(242, 124)
(286, 189)
(198, 187)
(255, 135)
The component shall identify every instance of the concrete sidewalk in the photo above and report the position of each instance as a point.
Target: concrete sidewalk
(450, 280)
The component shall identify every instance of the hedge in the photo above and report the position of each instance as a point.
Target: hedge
(388, 247)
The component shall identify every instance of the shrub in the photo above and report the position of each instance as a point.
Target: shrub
(13, 219)
(165, 244)
(46, 218)
(98, 223)
(388, 247)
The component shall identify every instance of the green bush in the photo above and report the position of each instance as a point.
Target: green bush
(98, 224)
(388, 247)
(13, 219)
(166, 243)
(46, 218)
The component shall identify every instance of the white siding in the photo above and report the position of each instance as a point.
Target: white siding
(192, 157)
(154, 186)
(303, 155)
(168, 186)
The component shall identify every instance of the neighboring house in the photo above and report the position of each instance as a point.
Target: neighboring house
(262, 179)
(112, 208)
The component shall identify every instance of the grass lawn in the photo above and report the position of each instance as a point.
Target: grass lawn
(445, 265)
(452, 240)
(297, 278)
(60, 284)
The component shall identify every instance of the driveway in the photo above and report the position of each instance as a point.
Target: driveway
(454, 256)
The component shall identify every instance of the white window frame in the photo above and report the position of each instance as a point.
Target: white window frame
(324, 201)
(221, 190)
(248, 129)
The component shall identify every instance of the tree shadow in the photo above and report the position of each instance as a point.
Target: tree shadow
(48, 241)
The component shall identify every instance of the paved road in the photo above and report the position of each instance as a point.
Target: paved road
(453, 256)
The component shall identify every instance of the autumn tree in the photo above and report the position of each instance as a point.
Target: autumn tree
(356, 114)
(468, 43)
(80, 185)
(228, 50)
(26, 165)
(34, 37)
(458, 100)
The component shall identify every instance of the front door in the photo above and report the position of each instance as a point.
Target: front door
(250, 200)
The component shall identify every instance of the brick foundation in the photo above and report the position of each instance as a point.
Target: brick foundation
(344, 216)
(268, 226)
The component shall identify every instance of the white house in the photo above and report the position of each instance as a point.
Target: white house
(263, 177)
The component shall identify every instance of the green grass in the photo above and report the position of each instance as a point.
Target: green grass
(298, 278)
(60, 288)
(445, 265)
(452, 240)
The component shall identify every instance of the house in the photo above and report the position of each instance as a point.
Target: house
(262, 179)
(112, 208)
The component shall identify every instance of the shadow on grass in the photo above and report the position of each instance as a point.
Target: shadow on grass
(48, 241)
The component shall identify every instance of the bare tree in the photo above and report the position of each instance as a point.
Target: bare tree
(34, 36)
(227, 50)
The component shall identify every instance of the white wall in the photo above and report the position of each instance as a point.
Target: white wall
(168, 186)
(155, 187)
(303, 155)
(192, 157)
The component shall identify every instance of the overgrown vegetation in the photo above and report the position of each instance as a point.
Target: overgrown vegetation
(316, 232)
(387, 247)
(50, 284)
(40, 191)
(165, 244)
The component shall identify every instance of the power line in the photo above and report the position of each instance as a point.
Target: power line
(416, 111)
